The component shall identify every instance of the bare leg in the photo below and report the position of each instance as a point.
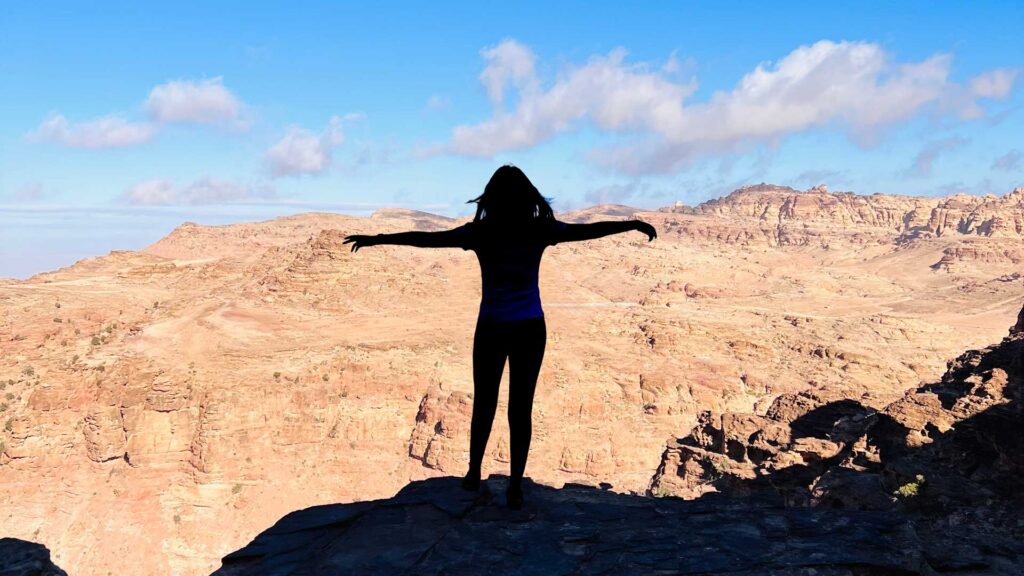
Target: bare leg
(489, 355)
(525, 357)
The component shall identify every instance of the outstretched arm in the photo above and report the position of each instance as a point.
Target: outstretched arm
(442, 239)
(578, 232)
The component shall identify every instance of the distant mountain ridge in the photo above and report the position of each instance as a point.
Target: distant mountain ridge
(758, 213)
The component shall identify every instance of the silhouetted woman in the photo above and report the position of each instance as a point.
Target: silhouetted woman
(512, 227)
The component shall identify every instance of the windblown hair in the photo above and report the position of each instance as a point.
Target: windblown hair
(510, 197)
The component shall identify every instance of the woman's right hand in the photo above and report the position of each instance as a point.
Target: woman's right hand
(646, 228)
(360, 241)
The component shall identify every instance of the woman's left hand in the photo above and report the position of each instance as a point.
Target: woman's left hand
(646, 228)
(360, 241)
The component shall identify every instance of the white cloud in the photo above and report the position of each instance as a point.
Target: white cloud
(106, 132)
(508, 63)
(851, 85)
(195, 102)
(202, 191)
(994, 83)
(301, 151)
(181, 101)
(606, 91)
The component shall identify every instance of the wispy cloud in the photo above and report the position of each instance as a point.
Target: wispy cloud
(816, 177)
(203, 191)
(854, 86)
(995, 83)
(107, 132)
(1008, 162)
(925, 159)
(437, 103)
(32, 192)
(614, 193)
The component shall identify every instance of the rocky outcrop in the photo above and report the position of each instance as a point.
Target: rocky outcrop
(980, 252)
(783, 216)
(990, 216)
(435, 527)
(947, 453)
(442, 425)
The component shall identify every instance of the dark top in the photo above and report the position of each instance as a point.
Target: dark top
(509, 262)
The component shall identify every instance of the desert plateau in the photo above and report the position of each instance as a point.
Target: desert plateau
(162, 407)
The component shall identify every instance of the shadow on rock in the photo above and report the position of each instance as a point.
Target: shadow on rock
(24, 558)
(948, 457)
(820, 484)
(434, 527)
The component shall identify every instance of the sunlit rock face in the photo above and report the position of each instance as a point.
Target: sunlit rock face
(192, 393)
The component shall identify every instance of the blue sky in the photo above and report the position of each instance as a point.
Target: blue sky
(120, 121)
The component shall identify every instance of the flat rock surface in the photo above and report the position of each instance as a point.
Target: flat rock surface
(434, 527)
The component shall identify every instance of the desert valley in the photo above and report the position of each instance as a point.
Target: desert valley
(162, 407)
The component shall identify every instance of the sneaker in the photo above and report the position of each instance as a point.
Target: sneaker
(514, 498)
(471, 481)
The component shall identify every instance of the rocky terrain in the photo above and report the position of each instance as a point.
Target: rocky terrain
(926, 485)
(162, 407)
(948, 455)
(434, 527)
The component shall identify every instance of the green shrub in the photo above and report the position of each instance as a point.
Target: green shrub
(236, 488)
(28, 371)
(910, 490)
(95, 341)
